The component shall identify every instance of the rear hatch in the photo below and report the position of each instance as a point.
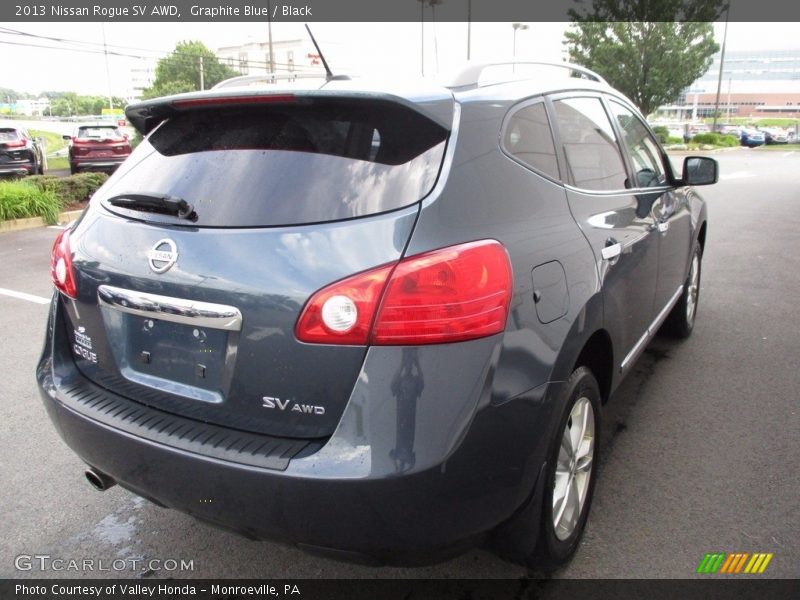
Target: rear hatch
(13, 148)
(196, 258)
(95, 142)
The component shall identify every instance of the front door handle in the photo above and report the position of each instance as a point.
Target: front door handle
(612, 249)
(663, 226)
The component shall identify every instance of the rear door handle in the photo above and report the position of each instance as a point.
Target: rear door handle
(612, 249)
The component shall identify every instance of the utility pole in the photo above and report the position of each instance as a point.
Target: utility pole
(421, 37)
(108, 72)
(721, 65)
(202, 78)
(469, 27)
(269, 34)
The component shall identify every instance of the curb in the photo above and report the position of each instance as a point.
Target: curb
(33, 222)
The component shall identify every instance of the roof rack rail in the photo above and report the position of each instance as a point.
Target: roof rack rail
(265, 78)
(471, 73)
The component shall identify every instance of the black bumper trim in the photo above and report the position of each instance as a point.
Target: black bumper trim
(157, 426)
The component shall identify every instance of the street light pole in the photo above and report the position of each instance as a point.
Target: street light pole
(517, 26)
(721, 65)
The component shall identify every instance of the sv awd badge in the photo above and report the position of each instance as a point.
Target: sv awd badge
(292, 406)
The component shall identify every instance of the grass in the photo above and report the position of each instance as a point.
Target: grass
(21, 199)
(54, 143)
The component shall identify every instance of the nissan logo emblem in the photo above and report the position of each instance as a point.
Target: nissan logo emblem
(163, 255)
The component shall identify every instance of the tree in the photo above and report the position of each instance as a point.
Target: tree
(180, 71)
(650, 51)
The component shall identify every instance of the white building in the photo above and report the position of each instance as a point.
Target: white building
(290, 56)
(39, 107)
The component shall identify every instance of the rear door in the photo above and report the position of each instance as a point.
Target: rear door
(614, 219)
(195, 313)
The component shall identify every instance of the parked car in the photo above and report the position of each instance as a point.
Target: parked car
(377, 323)
(775, 136)
(752, 139)
(20, 154)
(97, 147)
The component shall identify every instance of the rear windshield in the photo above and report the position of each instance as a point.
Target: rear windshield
(99, 132)
(308, 162)
(8, 135)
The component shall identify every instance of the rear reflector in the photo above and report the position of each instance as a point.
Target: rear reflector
(61, 266)
(449, 295)
(228, 100)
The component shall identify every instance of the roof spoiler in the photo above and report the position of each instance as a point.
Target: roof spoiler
(146, 116)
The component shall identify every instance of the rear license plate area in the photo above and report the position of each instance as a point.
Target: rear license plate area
(188, 356)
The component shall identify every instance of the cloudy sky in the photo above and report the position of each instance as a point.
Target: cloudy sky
(360, 48)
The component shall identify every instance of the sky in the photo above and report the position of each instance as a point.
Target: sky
(356, 48)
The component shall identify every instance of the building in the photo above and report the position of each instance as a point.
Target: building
(755, 84)
(142, 77)
(38, 107)
(290, 57)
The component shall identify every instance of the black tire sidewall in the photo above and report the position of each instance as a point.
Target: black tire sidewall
(551, 551)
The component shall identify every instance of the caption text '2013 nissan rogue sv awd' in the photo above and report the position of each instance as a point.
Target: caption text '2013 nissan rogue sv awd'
(374, 323)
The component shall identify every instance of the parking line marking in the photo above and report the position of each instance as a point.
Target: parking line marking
(788, 153)
(24, 296)
(737, 175)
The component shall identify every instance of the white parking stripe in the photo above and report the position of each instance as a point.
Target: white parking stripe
(737, 175)
(788, 153)
(24, 296)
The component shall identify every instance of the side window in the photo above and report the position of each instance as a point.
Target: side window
(528, 139)
(645, 155)
(590, 146)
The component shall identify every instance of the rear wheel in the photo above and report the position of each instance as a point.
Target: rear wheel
(680, 322)
(568, 485)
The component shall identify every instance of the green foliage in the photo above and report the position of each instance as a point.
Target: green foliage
(70, 191)
(673, 140)
(65, 104)
(21, 199)
(643, 48)
(662, 133)
(716, 139)
(180, 71)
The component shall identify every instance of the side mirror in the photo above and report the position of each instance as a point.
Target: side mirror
(66, 137)
(700, 170)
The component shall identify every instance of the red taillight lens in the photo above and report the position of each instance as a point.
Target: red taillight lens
(448, 295)
(16, 144)
(61, 266)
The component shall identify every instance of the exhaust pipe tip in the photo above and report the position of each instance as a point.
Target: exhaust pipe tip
(98, 480)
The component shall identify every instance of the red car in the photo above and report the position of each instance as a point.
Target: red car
(97, 147)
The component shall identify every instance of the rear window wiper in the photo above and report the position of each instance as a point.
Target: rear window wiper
(157, 203)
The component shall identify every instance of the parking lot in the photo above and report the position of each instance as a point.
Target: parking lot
(701, 441)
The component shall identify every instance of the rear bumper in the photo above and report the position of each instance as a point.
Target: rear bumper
(353, 496)
(17, 168)
(97, 163)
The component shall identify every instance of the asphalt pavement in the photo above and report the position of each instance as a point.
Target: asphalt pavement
(701, 440)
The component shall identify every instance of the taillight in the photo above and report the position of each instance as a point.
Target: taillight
(16, 144)
(61, 266)
(449, 295)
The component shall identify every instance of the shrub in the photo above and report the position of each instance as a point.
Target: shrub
(706, 138)
(673, 140)
(662, 133)
(21, 199)
(72, 190)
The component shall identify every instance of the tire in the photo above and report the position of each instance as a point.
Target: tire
(680, 322)
(558, 530)
(73, 169)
